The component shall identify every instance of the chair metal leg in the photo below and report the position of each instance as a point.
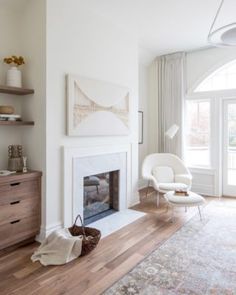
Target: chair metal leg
(172, 215)
(158, 199)
(147, 188)
(199, 211)
(167, 208)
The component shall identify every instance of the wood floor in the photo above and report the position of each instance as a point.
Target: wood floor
(115, 256)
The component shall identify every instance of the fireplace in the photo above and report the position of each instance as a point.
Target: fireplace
(83, 162)
(101, 195)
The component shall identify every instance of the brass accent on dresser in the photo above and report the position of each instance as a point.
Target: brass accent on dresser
(20, 207)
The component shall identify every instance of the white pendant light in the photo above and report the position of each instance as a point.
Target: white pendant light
(224, 36)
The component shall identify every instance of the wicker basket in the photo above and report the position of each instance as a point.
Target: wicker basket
(91, 236)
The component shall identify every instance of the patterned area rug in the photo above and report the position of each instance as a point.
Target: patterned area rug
(198, 259)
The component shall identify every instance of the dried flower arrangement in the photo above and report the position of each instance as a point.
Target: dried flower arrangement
(17, 61)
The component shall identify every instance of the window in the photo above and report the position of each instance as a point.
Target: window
(222, 79)
(197, 134)
(231, 143)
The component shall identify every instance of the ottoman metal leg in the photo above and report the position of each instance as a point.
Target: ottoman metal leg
(172, 214)
(167, 207)
(199, 211)
(147, 188)
(158, 199)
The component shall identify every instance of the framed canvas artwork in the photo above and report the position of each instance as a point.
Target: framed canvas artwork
(96, 108)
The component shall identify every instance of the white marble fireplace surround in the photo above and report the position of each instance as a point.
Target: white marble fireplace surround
(84, 161)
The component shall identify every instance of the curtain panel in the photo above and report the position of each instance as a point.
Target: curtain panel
(168, 81)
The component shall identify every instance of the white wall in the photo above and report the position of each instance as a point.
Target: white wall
(143, 106)
(9, 45)
(201, 63)
(145, 59)
(22, 32)
(32, 33)
(81, 42)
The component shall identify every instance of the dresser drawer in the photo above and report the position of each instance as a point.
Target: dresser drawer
(19, 209)
(18, 229)
(18, 190)
(20, 202)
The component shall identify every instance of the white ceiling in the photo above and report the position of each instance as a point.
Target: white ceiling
(164, 26)
(161, 26)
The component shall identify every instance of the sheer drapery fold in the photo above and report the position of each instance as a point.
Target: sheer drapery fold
(169, 78)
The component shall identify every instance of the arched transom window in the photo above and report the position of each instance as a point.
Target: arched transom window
(222, 79)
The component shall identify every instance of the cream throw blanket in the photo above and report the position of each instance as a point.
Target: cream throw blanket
(58, 248)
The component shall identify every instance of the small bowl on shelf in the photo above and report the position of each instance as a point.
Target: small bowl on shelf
(7, 110)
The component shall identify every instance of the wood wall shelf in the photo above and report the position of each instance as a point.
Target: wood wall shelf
(15, 90)
(17, 123)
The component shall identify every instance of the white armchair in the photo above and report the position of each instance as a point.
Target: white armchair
(167, 172)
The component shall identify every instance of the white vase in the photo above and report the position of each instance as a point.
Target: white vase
(14, 78)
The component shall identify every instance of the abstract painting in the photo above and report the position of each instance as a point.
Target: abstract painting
(96, 108)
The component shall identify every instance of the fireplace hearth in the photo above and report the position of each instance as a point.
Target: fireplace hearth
(101, 195)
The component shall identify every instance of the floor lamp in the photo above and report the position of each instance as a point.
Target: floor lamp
(172, 131)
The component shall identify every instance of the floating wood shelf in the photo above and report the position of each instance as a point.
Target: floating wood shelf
(17, 123)
(15, 90)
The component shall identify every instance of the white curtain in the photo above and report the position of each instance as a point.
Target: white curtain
(168, 88)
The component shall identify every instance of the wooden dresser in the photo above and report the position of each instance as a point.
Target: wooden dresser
(20, 204)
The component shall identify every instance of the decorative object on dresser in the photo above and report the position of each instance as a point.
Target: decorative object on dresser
(24, 170)
(20, 199)
(6, 172)
(97, 107)
(14, 77)
(15, 153)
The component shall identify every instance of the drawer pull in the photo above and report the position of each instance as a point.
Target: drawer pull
(15, 183)
(14, 203)
(15, 221)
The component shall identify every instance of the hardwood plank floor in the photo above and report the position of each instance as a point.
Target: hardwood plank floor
(115, 255)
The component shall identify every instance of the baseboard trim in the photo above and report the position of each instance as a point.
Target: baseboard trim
(135, 200)
(45, 231)
(203, 189)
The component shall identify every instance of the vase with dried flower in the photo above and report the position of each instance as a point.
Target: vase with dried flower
(14, 77)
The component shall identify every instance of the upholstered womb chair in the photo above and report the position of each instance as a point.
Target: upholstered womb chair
(167, 172)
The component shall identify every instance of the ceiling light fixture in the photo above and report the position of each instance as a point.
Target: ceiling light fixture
(224, 36)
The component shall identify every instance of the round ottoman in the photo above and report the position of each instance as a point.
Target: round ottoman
(192, 200)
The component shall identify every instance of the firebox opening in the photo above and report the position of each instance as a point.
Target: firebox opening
(101, 194)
